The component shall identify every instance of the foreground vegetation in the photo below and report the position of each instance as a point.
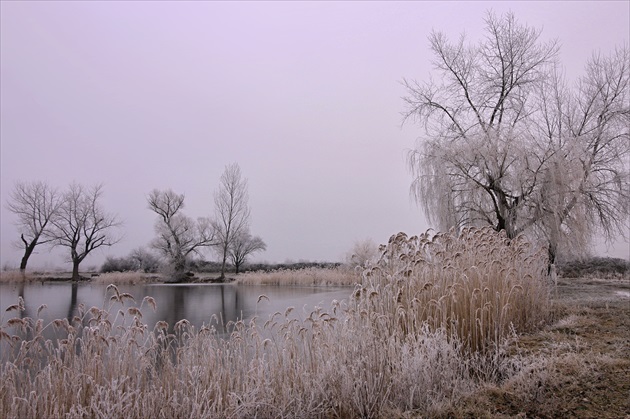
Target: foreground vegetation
(440, 326)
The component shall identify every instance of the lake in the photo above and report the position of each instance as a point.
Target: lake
(198, 303)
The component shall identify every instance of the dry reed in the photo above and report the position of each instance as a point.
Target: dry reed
(16, 276)
(388, 350)
(476, 285)
(126, 278)
(340, 276)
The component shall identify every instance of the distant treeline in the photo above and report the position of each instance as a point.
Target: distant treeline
(594, 266)
(210, 266)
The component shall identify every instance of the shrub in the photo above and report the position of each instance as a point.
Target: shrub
(362, 252)
(138, 260)
(113, 264)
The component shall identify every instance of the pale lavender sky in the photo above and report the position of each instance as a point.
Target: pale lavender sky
(306, 97)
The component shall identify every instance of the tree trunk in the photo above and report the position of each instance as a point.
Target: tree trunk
(179, 267)
(27, 254)
(223, 263)
(28, 250)
(551, 253)
(551, 267)
(236, 267)
(75, 269)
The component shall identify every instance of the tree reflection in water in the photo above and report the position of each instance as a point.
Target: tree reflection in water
(198, 303)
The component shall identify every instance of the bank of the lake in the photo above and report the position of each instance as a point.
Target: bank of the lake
(308, 276)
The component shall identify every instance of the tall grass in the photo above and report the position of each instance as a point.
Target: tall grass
(341, 275)
(477, 285)
(387, 351)
(130, 278)
(16, 276)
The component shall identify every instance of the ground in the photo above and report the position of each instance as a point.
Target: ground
(580, 361)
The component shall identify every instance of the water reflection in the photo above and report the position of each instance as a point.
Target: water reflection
(198, 303)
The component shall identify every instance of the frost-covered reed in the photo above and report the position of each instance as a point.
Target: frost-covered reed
(339, 276)
(16, 276)
(386, 351)
(129, 278)
(476, 285)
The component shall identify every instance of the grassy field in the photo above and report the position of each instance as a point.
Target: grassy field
(441, 326)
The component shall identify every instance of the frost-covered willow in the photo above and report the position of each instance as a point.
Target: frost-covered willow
(509, 144)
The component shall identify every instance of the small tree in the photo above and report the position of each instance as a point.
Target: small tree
(36, 204)
(242, 246)
(362, 252)
(178, 236)
(82, 226)
(144, 261)
(232, 211)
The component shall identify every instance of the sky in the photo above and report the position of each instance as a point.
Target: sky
(305, 96)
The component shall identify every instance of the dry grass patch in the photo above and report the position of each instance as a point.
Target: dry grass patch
(340, 276)
(127, 278)
(578, 366)
(16, 276)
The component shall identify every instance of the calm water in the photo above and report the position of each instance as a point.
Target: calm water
(197, 303)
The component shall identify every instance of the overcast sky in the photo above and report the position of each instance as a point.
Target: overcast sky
(305, 97)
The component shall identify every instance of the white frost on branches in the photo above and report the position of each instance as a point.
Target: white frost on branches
(509, 144)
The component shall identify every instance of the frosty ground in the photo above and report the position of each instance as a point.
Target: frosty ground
(587, 348)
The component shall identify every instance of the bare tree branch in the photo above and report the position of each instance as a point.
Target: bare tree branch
(243, 246)
(507, 143)
(231, 211)
(81, 225)
(35, 204)
(178, 236)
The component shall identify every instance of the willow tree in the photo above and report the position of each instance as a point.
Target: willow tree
(507, 143)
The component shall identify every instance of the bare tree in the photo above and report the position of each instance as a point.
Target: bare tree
(585, 185)
(231, 211)
(178, 236)
(508, 144)
(243, 245)
(35, 205)
(82, 225)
